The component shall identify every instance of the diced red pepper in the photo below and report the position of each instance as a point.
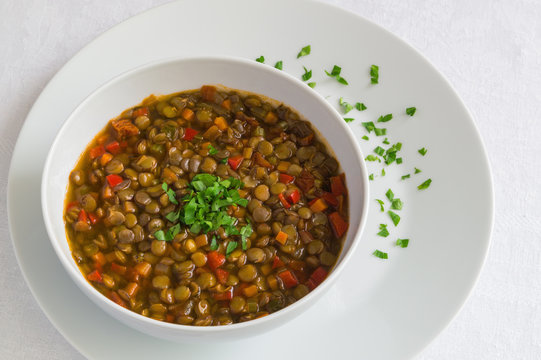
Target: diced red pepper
(337, 186)
(338, 225)
(97, 151)
(71, 204)
(119, 269)
(284, 202)
(124, 144)
(189, 134)
(215, 260)
(93, 218)
(95, 276)
(114, 180)
(235, 161)
(277, 263)
(113, 147)
(319, 275)
(117, 299)
(226, 295)
(140, 112)
(82, 216)
(294, 197)
(288, 278)
(239, 288)
(286, 179)
(221, 275)
(330, 199)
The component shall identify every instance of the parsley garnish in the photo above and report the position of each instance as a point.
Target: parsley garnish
(383, 230)
(424, 185)
(381, 205)
(374, 74)
(399, 160)
(379, 150)
(170, 193)
(380, 132)
(224, 160)
(422, 151)
(212, 150)
(348, 120)
(260, 59)
(232, 245)
(371, 177)
(407, 176)
(372, 158)
(386, 141)
(365, 138)
(417, 170)
(214, 244)
(385, 118)
(307, 74)
(411, 111)
(304, 51)
(382, 172)
(394, 217)
(369, 126)
(380, 254)
(397, 204)
(312, 84)
(335, 73)
(390, 195)
(403, 243)
(279, 65)
(360, 106)
(346, 107)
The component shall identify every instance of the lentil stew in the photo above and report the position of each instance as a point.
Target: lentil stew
(206, 207)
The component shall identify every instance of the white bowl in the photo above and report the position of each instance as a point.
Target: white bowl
(174, 75)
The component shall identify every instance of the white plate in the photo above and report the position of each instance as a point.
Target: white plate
(377, 309)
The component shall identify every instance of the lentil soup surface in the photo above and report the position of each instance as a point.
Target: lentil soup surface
(206, 207)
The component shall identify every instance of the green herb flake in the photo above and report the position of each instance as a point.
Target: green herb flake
(335, 73)
(411, 111)
(403, 243)
(346, 107)
(214, 244)
(312, 84)
(304, 51)
(374, 74)
(231, 246)
(386, 141)
(383, 230)
(380, 254)
(371, 177)
(360, 106)
(399, 161)
(369, 126)
(397, 204)
(212, 150)
(385, 118)
(407, 176)
(279, 65)
(307, 74)
(425, 185)
(382, 209)
(260, 59)
(170, 193)
(160, 235)
(394, 217)
(379, 150)
(390, 195)
(417, 170)
(224, 160)
(380, 132)
(372, 158)
(382, 172)
(365, 138)
(348, 120)
(422, 151)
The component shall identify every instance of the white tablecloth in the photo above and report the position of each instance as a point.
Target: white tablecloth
(489, 50)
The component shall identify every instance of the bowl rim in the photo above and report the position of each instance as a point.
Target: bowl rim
(302, 303)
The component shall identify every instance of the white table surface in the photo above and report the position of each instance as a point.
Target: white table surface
(489, 50)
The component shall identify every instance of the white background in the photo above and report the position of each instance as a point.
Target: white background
(489, 50)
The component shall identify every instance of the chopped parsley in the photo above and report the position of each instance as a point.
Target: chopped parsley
(394, 217)
(403, 243)
(390, 153)
(170, 193)
(424, 185)
(348, 120)
(386, 141)
(390, 195)
(224, 160)
(417, 170)
(214, 244)
(374, 74)
(372, 158)
(399, 161)
(346, 107)
(382, 209)
(304, 51)
(385, 118)
(383, 230)
(335, 73)
(312, 84)
(231, 246)
(260, 59)
(307, 74)
(369, 126)
(371, 177)
(411, 111)
(397, 204)
(380, 254)
(212, 150)
(279, 65)
(365, 138)
(379, 150)
(407, 176)
(360, 106)
(382, 172)
(422, 151)
(380, 132)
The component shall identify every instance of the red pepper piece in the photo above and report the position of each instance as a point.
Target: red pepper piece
(289, 279)
(189, 134)
(338, 225)
(215, 260)
(337, 186)
(117, 299)
(93, 218)
(319, 275)
(95, 276)
(235, 161)
(286, 179)
(114, 180)
(226, 295)
(82, 216)
(96, 152)
(113, 147)
(294, 197)
(221, 275)
(277, 263)
(140, 112)
(119, 269)
(284, 202)
(330, 199)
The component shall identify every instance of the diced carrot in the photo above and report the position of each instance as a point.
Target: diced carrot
(235, 161)
(318, 205)
(221, 123)
(337, 186)
(99, 258)
(283, 166)
(105, 158)
(330, 199)
(277, 263)
(294, 197)
(95, 276)
(215, 260)
(188, 114)
(96, 152)
(250, 291)
(131, 288)
(114, 180)
(140, 112)
(117, 299)
(224, 295)
(261, 161)
(221, 275)
(82, 216)
(271, 118)
(281, 237)
(113, 147)
(286, 179)
(189, 134)
(284, 202)
(143, 268)
(119, 269)
(288, 278)
(208, 92)
(226, 104)
(93, 218)
(338, 225)
(273, 282)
